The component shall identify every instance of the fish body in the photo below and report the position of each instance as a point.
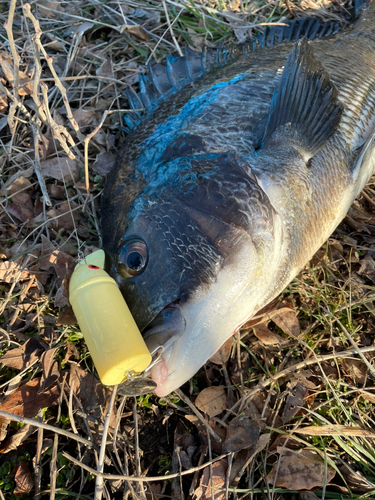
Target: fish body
(231, 184)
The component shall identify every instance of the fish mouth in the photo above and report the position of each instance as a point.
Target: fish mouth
(160, 335)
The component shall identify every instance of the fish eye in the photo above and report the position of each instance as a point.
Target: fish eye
(132, 258)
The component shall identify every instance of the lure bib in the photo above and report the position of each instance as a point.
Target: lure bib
(111, 334)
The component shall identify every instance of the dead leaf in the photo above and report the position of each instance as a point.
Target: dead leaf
(23, 356)
(66, 318)
(11, 272)
(219, 470)
(85, 117)
(307, 495)
(266, 337)
(356, 369)
(294, 402)
(286, 319)
(300, 470)
(87, 387)
(222, 355)
(103, 164)
(335, 430)
(355, 480)
(106, 69)
(71, 351)
(61, 297)
(66, 216)
(50, 369)
(212, 400)
(242, 432)
(367, 267)
(26, 400)
(22, 477)
(138, 32)
(18, 438)
(60, 169)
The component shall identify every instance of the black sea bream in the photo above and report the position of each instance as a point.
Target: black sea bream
(238, 170)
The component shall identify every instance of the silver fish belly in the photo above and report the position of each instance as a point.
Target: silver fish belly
(232, 183)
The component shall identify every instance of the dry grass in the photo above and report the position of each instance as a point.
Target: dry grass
(306, 361)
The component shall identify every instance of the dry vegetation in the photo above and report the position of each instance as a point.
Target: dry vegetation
(285, 410)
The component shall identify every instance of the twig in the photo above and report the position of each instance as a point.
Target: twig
(38, 457)
(12, 46)
(140, 489)
(171, 29)
(86, 143)
(296, 367)
(53, 468)
(187, 401)
(48, 427)
(99, 484)
(37, 167)
(137, 479)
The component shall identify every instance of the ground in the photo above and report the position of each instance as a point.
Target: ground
(284, 410)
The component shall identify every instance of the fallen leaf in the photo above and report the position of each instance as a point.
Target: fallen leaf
(22, 477)
(286, 319)
(242, 432)
(87, 387)
(106, 69)
(212, 400)
(71, 351)
(65, 217)
(26, 400)
(294, 402)
(222, 355)
(355, 480)
(138, 32)
(61, 296)
(245, 457)
(103, 164)
(266, 337)
(204, 490)
(60, 169)
(19, 437)
(21, 357)
(300, 470)
(66, 318)
(84, 117)
(367, 267)
(50, 369)
(11, 272)
(356, 369)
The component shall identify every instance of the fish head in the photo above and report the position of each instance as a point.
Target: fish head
(188, 261)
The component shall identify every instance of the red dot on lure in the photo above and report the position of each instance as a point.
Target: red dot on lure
(91, 266)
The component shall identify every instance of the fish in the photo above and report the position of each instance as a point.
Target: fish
(238, 165)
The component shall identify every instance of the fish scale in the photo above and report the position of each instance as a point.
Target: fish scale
(237, 169)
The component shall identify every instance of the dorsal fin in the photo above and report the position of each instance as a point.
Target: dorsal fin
(306, 100)
(162, 81)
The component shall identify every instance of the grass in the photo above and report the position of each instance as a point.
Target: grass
(147, 436)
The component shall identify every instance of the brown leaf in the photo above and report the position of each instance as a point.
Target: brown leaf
(61, 297)
(286, 319)
(11, 272)
(60, 169)
(50, 369)
(22, 477)
(19, 437)
(294, 402)
(71, 351)
(65, 216)
(26, 400)
(222, 355)
(242, 433)
(21, 357)
(66, 317)
(219, 470)
(84, 117)
(106, 69)
(103, 164)
(266, 337)
(356, 369)
(367, 267)
(212, 400)
(355, 480)
(87, 387)
(138, 32)
(299, 470)
(307, 495)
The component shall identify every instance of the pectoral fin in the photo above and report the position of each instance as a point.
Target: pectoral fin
(306, 100)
